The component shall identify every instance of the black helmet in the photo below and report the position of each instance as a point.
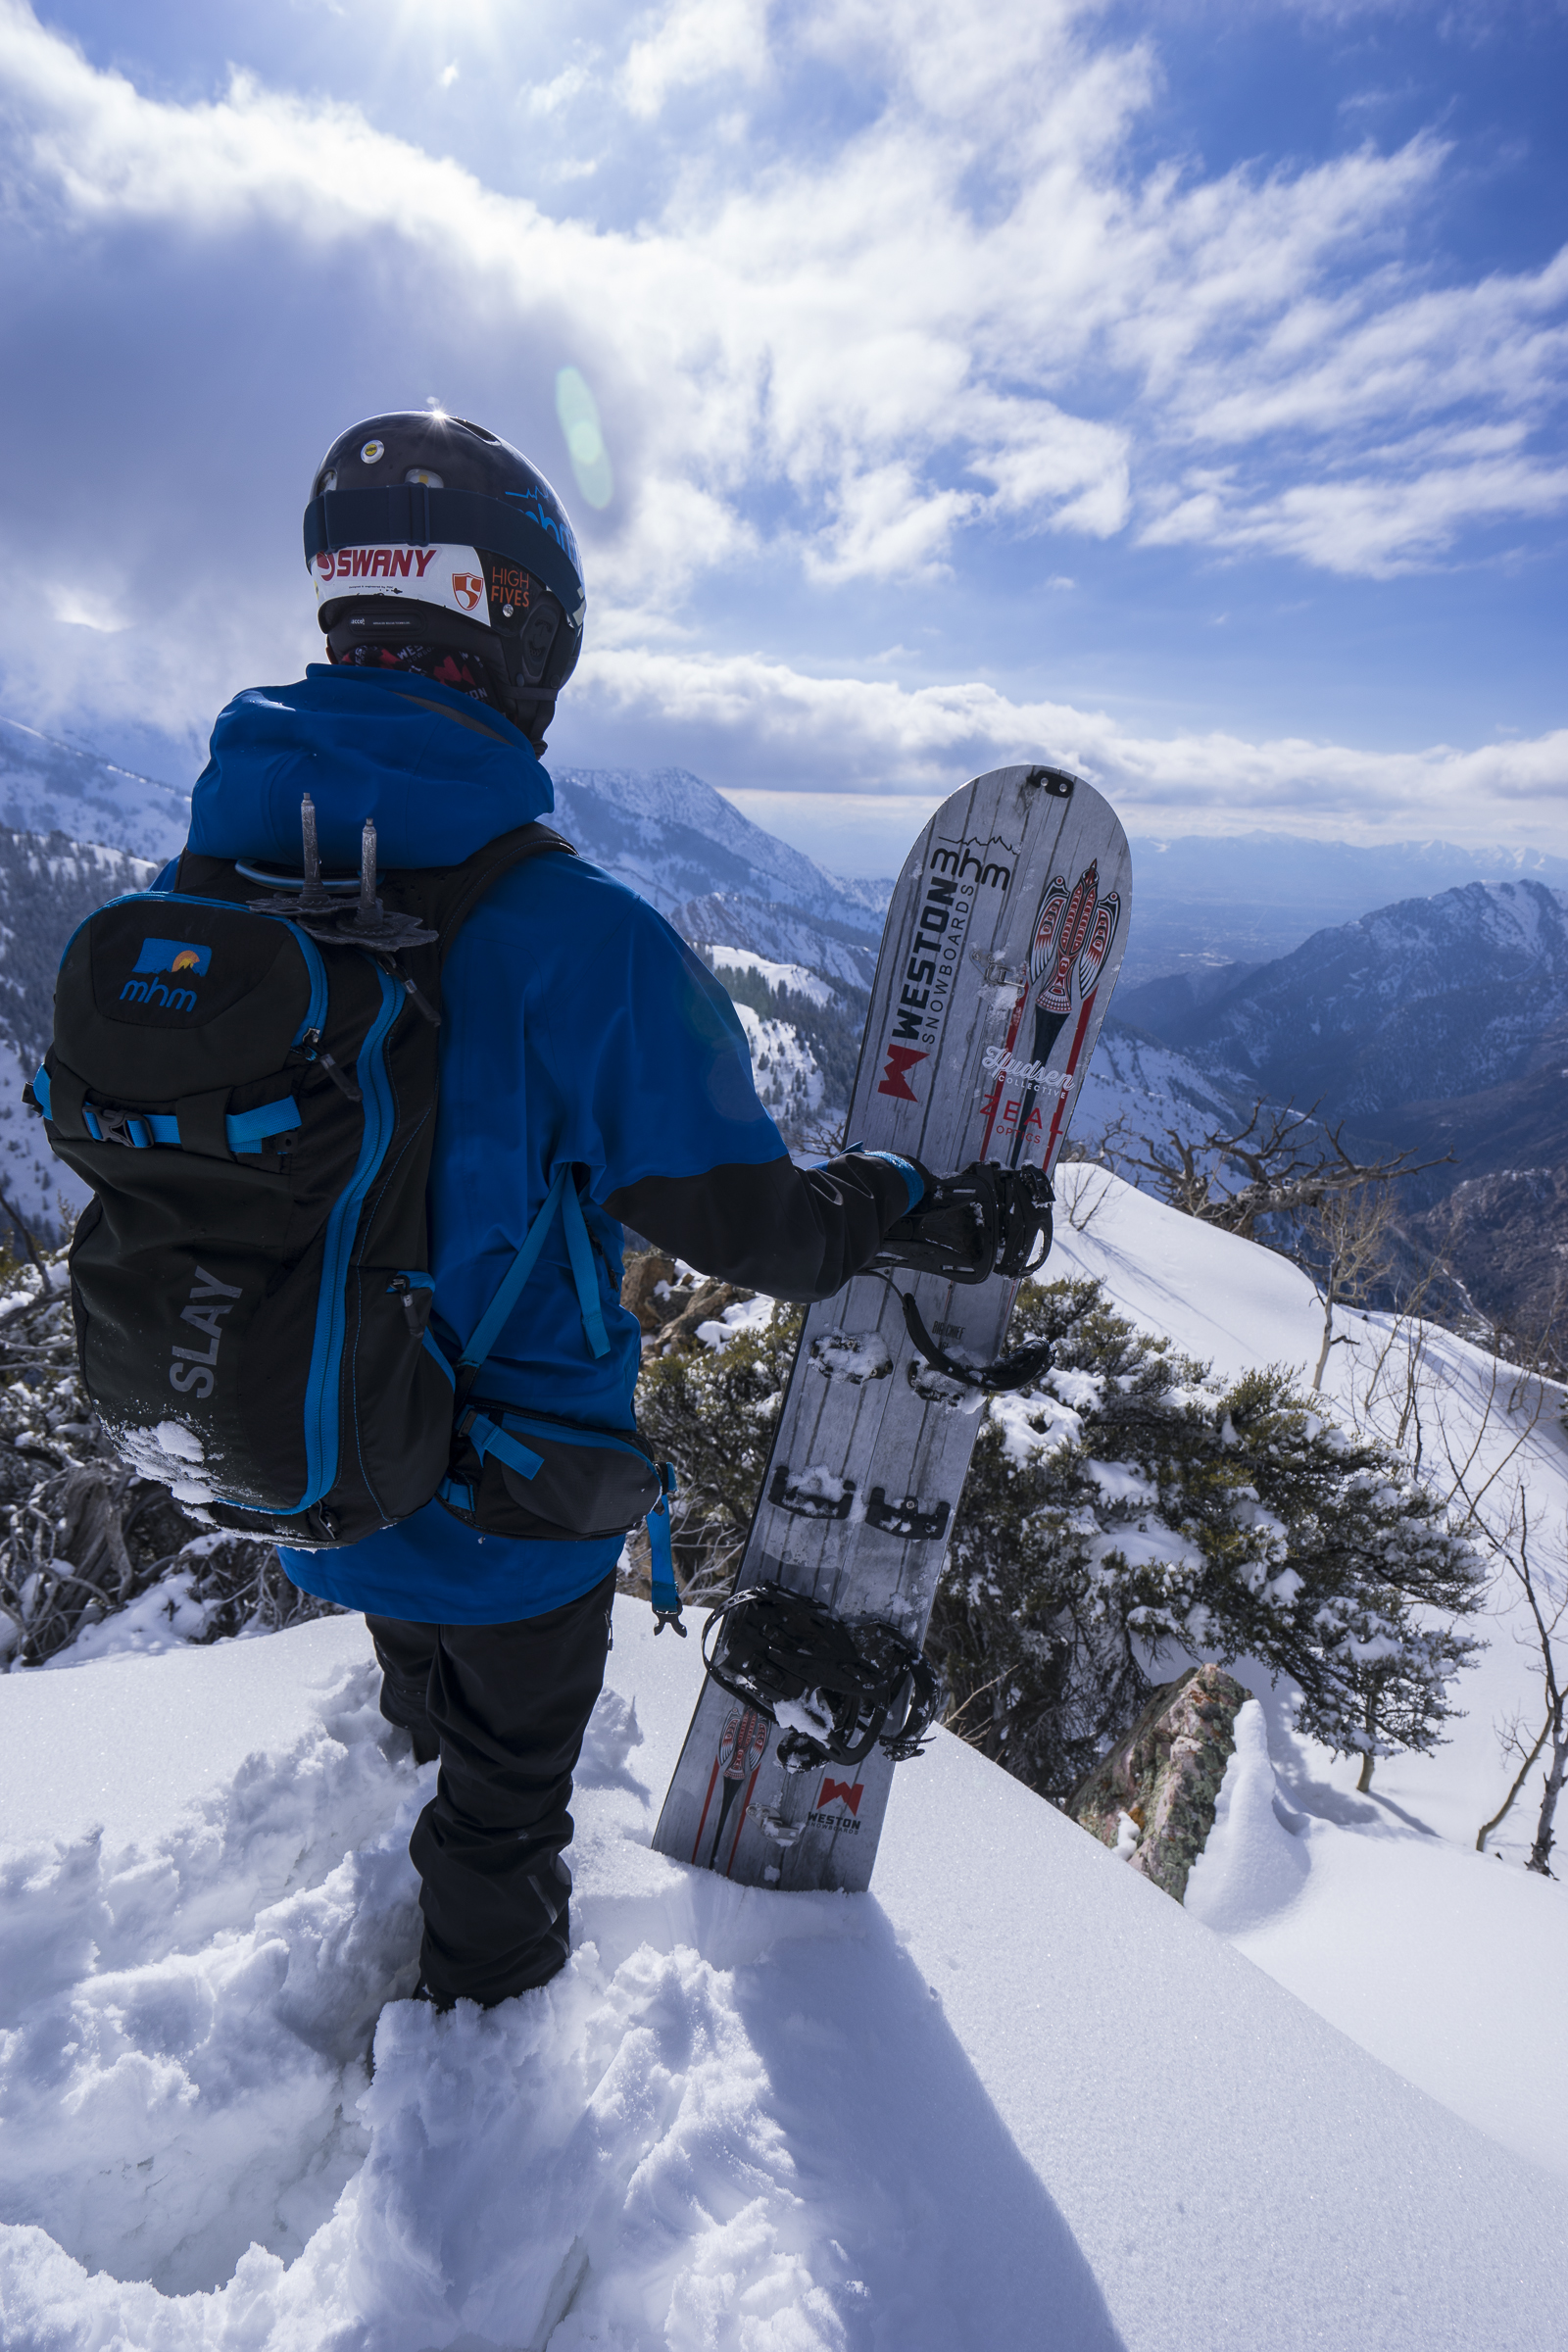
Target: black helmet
(423, 527)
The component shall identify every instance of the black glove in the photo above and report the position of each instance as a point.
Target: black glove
(985, 1220)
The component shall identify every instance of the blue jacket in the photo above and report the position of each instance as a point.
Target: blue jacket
(577, 1027)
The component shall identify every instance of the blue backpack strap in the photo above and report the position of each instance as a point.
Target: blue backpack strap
(563, 1195)
(487, 1330)
(580, 1249)
(487, 1437)
(667, 1593)
(485, 1335)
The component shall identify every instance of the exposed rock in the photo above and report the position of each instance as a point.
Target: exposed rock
(688, 1300)
(705, 1304)
(1153, 1797)
(645, 1271)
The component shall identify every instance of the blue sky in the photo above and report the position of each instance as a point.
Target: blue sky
(1174, 390)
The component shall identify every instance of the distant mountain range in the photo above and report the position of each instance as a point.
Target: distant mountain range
(1431, 997)
(1438, 1024)
(1249, 897)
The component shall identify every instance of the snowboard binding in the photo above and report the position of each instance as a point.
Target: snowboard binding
(837, 1687)
(985, 1220)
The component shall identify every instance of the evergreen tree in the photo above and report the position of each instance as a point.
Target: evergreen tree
(1125, 1506)
(1121, 1508)
(713, 1411)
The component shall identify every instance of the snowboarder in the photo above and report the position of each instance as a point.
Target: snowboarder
(579, 1036)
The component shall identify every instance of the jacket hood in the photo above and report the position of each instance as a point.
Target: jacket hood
(440, 774)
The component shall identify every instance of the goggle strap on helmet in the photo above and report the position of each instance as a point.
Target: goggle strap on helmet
(411, 515)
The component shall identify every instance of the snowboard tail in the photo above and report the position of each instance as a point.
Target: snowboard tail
(999, 953)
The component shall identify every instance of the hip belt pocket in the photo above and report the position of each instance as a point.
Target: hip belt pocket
(517, 1473)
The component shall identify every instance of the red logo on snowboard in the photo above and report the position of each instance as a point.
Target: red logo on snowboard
(901, 1058)
(742, 1745)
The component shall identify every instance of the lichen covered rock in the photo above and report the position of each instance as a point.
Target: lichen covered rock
(1153, 1797)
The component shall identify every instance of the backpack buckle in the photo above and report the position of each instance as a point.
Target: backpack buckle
(114, 1125)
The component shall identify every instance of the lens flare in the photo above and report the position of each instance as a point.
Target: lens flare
(578, 412)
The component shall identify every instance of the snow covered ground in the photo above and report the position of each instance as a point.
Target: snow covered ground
(1014, 2096)
(1376, 1909)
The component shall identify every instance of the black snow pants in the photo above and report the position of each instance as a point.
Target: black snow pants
(504, 1707)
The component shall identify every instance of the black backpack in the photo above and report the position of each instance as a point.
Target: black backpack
(245, 1071)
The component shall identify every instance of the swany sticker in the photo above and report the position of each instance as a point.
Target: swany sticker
(450, 576)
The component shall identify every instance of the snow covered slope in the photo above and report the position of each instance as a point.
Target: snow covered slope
(1376, 1908)
(672, 837)
(792, 976)
(49, 786)
(789, 1082)
(1149, 1087)
(728, 919)
(1016, 2096)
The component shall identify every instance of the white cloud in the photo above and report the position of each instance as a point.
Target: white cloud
(845, 353)
(549, 97)
(84, 609)
(874, 736)
(969, 308)
(697, 41)
(1369, 525)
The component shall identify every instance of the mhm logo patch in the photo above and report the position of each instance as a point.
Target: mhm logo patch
(181, 959)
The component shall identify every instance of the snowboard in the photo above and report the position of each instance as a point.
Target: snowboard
(1000, 950)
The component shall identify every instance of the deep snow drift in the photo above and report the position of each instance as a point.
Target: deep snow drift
(1015, 2095)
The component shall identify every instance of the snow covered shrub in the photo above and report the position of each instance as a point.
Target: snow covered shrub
(713, 1414)
(1125, 1507)
(82, 1540)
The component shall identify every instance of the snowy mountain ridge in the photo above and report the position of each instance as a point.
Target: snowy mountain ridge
(672, 838)
(1424, 1000)
(47, 786)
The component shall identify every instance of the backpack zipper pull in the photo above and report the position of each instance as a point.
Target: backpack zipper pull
(315, 1050)
(422, 1002)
